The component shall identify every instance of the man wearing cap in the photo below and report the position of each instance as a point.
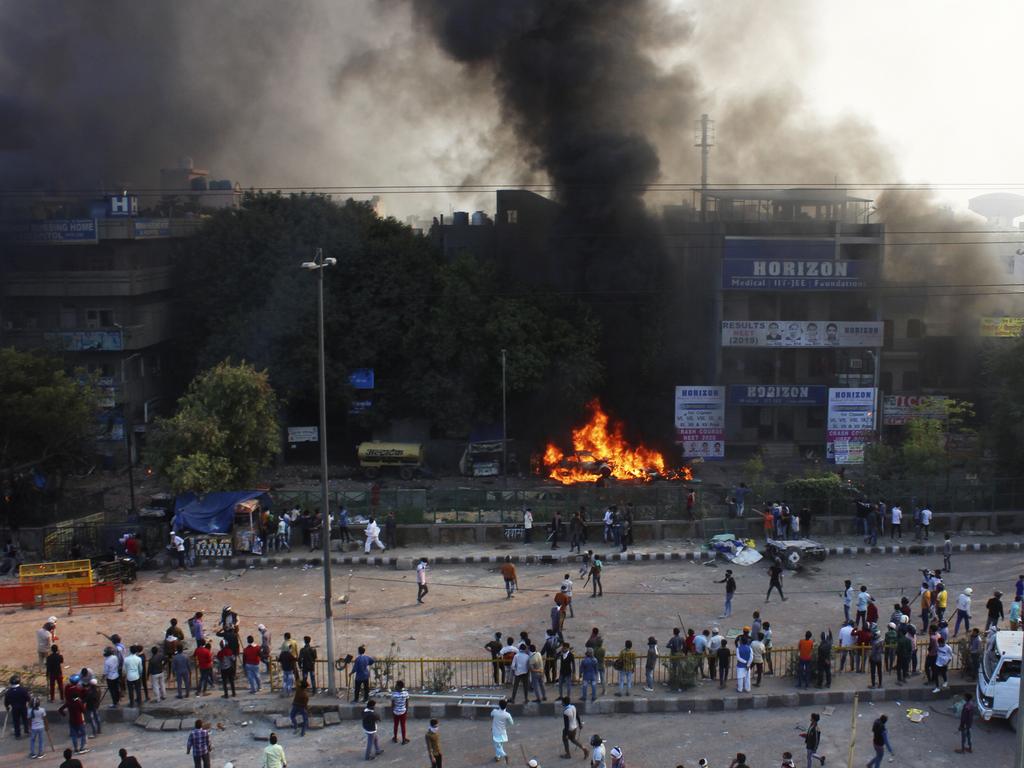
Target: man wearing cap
(44, 639)
(618, 760)
(963, 611)
(995, 610)
(597, 755)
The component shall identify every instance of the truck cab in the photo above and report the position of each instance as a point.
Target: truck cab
(998, 691)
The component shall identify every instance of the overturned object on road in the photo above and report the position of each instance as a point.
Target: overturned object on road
(735, 550)
(794, 552)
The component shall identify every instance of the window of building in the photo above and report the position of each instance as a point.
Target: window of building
(762, 307)
(887, 334)
(820, 365)
(99, 318)
(787, 366)
(885, 381)
(68, 318)
(915, 328)
(512, 216)
(911, 381)
(750, 417)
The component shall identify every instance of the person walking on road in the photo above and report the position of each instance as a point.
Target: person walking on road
(730, 590)
(199, 745)
(500, 721)
(273, 754)
(372, 537)
(966, 721)
(880, 740)
(508, 573)
(421, 580)
(371, 722)
(995, 610)
(300, 708)
(595, 577)
(812, 740)
(775, 581)
(433, 739)
(963, 611)
(847, 599)
(572, 724)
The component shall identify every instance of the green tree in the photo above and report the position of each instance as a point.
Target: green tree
(47, 417)
(225, 431)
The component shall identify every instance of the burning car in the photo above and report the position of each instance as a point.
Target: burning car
(600, 451)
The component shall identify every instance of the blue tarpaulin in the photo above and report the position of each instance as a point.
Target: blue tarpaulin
(214, 512)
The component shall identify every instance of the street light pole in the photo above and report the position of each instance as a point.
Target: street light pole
(319, 265)
(504, 423)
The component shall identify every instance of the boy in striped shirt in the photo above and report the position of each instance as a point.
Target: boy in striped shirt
(399, 709)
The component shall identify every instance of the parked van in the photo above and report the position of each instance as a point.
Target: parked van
(998, 691)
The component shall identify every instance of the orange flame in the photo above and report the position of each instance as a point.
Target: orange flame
(600, 450)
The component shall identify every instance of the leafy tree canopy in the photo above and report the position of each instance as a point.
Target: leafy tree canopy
(47, 417)
(224, 433)
(431, 329)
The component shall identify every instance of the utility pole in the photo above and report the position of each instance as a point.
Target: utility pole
(705, 129)
(504, 422)
(319, 265)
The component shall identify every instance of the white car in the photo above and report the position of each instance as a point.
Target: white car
(998, 691)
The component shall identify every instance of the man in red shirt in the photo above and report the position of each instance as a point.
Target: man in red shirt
(204, 661)
(251, 663)
(806, 652)
(76, 720)
(864, 636)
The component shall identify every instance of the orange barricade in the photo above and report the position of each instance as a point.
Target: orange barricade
(97, 594)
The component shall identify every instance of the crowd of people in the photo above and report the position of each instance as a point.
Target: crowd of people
(884, 645)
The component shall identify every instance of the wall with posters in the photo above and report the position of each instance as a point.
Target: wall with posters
(801, 333)
(700, 421)
(851, 422)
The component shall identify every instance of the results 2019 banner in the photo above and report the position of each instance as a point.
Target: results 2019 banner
(773, 265)
(801, 333)
(700, 421)
(851, 421)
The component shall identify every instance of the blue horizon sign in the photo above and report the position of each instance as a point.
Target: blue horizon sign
(773, 265)
(53, 231)
(778, 394)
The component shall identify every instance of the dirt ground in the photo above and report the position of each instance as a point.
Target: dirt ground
(467, 604)
(649, 741)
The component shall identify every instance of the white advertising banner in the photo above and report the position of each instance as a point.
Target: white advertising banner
(801, 333)
(700, 421)
(902, 409)
(851, 421)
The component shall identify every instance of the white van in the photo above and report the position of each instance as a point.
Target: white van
(998, 691)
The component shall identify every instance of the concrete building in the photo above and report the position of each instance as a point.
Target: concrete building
(98, 292)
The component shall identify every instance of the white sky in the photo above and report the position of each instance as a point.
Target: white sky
(940, 80)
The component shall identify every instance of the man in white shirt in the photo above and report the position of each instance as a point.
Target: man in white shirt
(896, 531)
(527, 526)
(963, 611)
(846, 640)
(178, 547)
(597, 756)
(500, 721)
(133, 676)
(421, 580)
(571, 725)
(273, 755)
(521, 672)
(609, 519)
(926, 520)
(372, 536)
(567, 588)
(714, 643)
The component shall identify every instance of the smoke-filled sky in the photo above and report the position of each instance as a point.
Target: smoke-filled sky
(310, 93)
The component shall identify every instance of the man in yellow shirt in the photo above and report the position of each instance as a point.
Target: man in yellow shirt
(941, 596)
(273, 755)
